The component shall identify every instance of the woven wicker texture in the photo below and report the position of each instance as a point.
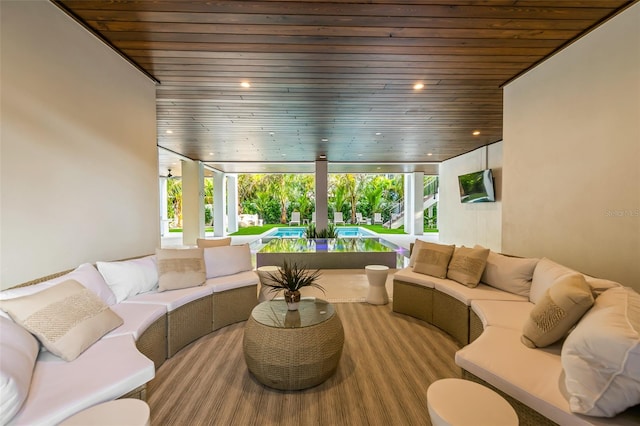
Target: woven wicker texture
(293, 358)
(43, 279)
(475, 326)
(413, 300)
(526, 415)
(452, 316)
(188, 323)
(153, 342)
(234, 305)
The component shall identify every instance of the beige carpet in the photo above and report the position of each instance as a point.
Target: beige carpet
(388, 362)
(344, 285)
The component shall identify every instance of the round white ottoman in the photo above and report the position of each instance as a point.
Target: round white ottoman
(121, 412)
(263, 274)
(377, 276)
(462, 402)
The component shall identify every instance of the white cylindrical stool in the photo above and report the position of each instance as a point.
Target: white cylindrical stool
(121, 412)
(263, 273)
(462, 402)
(377, 276)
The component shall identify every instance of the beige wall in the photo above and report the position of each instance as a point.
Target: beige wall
(572, 155)
(79, 174)
(474, 223)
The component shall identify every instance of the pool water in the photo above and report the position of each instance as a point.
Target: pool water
(298, 232)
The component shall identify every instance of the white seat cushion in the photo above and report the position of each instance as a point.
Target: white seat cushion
(137, 318)
(172, 299)
(18, 353)
(502, 313)
(466, 294)
(107, 370)
(229, 282)
(407, 275)
(532, 376)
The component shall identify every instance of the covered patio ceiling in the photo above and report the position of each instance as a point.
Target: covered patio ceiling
(270, 86)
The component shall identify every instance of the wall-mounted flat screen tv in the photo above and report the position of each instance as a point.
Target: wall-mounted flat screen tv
(477, 187)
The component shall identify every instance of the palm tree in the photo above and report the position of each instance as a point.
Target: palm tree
(174, 200)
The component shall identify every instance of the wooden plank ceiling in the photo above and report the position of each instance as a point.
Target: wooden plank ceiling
(333, 78)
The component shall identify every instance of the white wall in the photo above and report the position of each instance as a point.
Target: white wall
(79, 174)
(472, 223)
(572, 155)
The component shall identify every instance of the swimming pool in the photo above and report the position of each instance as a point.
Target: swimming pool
(298, 232)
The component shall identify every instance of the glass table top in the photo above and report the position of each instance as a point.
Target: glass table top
(311, 311)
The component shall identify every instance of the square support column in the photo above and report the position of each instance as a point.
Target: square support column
(418, 203)
(192, 201)
(219, 204)
(322, 185)
(232, 203)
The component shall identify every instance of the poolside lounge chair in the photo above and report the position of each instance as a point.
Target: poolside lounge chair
(313, 217)
(295, 218)
(377, 218)
(360, 219)
(337, 218)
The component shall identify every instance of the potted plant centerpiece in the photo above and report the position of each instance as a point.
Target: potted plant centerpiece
(291, 278)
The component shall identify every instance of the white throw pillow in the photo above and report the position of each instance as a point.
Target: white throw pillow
(544, 275)
(511, 274)
(130, 277)
(601, 356)
(227, 260)
(86, 274)
(19, 351)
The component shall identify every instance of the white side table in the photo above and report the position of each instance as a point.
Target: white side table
(377, 276)
(121, 412)
(263, 274)
(465, 403)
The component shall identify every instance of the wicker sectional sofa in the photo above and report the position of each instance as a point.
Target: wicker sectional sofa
(488, 321)
(155, 326)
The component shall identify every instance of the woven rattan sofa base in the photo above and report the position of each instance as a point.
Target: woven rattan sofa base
(233, 305)
(526, 415)
(475, 326)
(188, 323)
(452, 316)
(153, 342)
(138, 393)
(413, 300)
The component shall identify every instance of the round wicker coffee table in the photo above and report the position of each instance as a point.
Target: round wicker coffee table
(291, 350)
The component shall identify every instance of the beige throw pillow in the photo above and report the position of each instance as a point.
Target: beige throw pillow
(417, 245)
(218, 242)
(180, 268)
(560, 308)
(467, 265)
(512, 274)
(67, 318)
(433, 259)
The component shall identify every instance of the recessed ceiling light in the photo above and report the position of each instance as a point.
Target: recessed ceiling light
(283, 154)
(418, 86)
(325, 140)
(430, 154)
(323, 157)
(169, 132)
(211, 153)
(271, 133)
(245, 84)
(378, 133)
(476, 132)
(359, 155)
